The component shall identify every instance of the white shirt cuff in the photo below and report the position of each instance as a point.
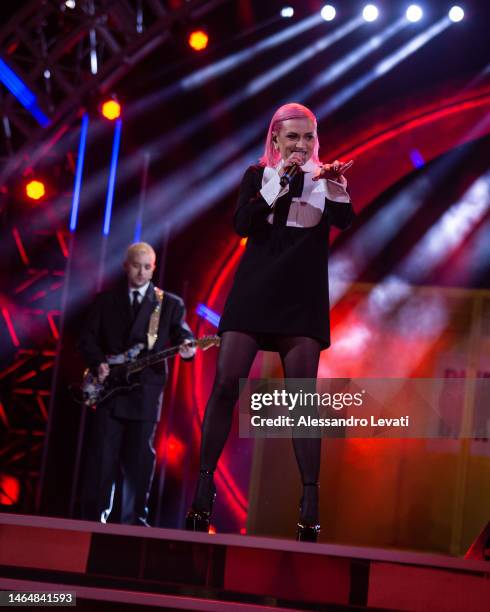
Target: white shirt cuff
(273, 190)
(336, 191)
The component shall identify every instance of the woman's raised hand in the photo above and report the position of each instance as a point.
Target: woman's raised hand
(334, 171)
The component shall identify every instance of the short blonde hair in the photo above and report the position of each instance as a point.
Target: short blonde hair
(139, 247)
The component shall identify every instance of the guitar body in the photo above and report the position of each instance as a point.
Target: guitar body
(119, 379)
(125, 376)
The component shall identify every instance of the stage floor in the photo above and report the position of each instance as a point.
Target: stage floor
(140, 566)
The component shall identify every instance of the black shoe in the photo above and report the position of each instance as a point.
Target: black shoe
(199, 516)
(308, 525)
(197, 520)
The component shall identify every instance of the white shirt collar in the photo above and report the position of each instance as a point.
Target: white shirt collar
(141, 290)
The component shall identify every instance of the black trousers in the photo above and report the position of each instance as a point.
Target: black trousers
(119, 451)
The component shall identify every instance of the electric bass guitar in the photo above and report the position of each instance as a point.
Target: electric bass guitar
(121, 375)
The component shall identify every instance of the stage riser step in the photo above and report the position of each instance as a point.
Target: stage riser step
(241, 569)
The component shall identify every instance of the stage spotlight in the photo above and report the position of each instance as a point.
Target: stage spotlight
(9, 490)
(71, 4)
(287, 11)
(111, 109)
(198, 40)
(175, 449)
(414, 13)
(35, 190)
(456, 14)
(328, 12)
(370, 12)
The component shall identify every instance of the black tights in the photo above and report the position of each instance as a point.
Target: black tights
(299, 356)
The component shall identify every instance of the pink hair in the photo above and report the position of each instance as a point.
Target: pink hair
(293, 110)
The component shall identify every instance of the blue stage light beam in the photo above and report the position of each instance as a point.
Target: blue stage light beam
(449, 232)
(351, 260)
(221, 67)
(382, 68)
(272, 75)
(232, 62)
(340, 67)
(24, 95)
(474, 262)
(112, 177)
(192, 202)
(252, 88)
(395, 294)
(79, 173)
(208, 314)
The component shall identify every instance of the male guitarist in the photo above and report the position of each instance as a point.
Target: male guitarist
(120, 445)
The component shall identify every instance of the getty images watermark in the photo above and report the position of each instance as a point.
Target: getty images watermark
(362, 408)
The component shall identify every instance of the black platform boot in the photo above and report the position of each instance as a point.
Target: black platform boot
(199, 516)
(308, 525)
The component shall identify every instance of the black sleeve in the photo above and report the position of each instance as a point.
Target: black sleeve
(252, 210)
(340, 214)
(179, 330)
(88, 344)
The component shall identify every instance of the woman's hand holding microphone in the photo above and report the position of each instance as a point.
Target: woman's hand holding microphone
(291, 167)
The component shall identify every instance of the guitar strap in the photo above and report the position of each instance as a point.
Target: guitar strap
(152, 334)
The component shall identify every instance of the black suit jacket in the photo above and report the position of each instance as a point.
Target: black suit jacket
(109, 329)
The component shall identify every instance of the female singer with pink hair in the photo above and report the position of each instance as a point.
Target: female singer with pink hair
(279, 298)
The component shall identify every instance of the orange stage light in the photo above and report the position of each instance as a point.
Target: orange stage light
(111, 110)
(198, 40)
(35, 190)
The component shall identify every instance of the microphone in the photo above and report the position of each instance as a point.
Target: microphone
(291, 171)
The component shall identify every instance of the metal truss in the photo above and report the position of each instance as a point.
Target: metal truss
(29, 336)
(65, 51)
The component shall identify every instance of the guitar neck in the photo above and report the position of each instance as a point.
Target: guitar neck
(154, 358)
(149, 360)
